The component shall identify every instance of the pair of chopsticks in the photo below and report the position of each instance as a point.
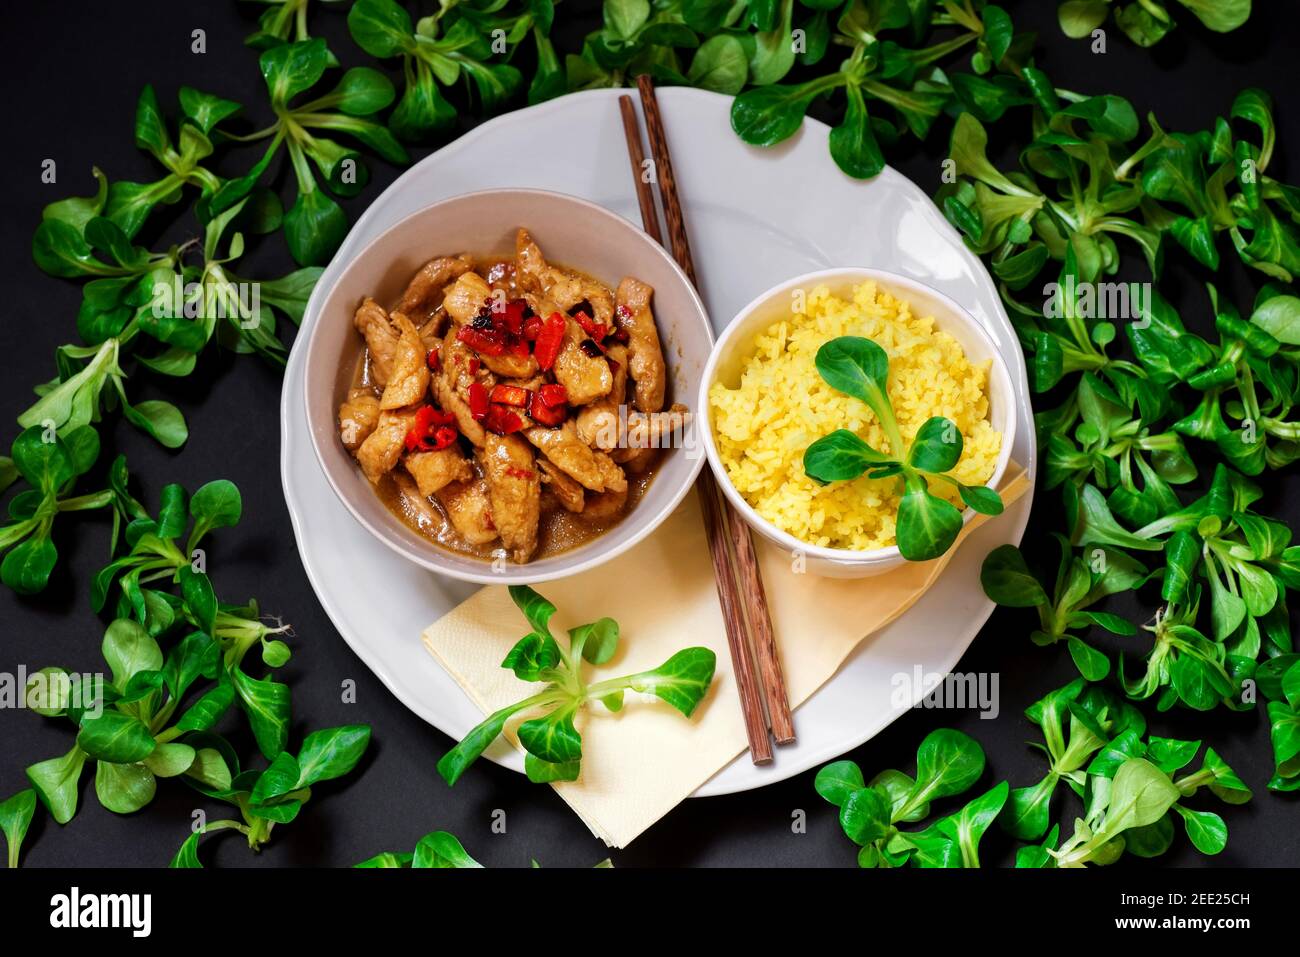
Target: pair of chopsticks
(735, 564)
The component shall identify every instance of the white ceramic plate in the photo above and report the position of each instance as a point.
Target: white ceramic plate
(755, 217)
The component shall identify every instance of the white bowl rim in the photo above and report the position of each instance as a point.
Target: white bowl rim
(841, 556)
(513, 574)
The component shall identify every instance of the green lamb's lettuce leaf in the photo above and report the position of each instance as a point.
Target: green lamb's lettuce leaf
(927, 525)
(551, 739)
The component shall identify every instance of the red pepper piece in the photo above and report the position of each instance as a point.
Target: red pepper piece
(592, 328)
(513, 316)
(443, 437)
(553, 394)
(501, 420)
(489, 342)
(515, 395)
(478, 400)
(431, 360)
(620, 335)
(416, 433)
(432, 430)
(473, 365)
(543, 414)
(532, 328)
(518, 347)
(549, 340)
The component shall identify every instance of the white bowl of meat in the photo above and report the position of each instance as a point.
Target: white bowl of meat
(490, 386)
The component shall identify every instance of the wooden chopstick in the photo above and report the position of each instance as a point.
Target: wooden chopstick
(644, 191)
(749, 578)
(744, 564)
(759, 618)
(733, 614)
(739, 580)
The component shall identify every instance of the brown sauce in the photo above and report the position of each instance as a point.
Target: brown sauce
(558, 531)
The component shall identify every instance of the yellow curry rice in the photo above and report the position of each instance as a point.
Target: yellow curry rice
(782, 406)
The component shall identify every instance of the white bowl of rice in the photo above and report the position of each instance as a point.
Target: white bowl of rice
(764, 403)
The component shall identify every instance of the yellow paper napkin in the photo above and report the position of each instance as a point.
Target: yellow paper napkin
(638, 764)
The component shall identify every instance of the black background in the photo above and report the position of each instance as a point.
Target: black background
(74, 70)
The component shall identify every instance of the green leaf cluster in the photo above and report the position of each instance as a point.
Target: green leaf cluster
(1134, 792)
(948, 763)
(283, 21)
(927, 525)
(473, 42)
(551, 741)
(305, 121)
(153, 713)
(885, 64)
(274, 795)
(1147, 22)
(51, 465)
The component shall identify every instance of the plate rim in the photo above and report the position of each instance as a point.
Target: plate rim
(771, 774)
